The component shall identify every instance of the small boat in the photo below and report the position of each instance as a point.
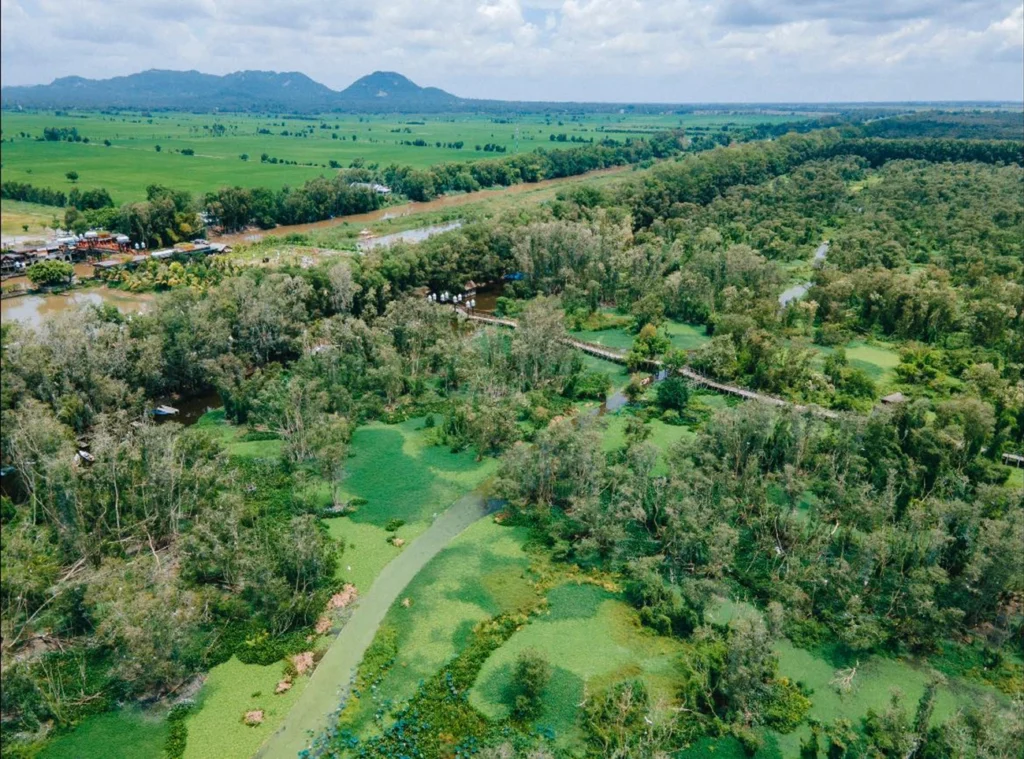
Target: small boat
(164, 411)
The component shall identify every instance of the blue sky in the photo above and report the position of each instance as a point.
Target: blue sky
(609, 50)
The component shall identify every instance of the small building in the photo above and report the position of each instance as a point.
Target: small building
(894, 399)
(380, 189)
(12, 262)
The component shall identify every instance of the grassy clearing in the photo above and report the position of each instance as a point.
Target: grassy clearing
(617, 373)
(877, 359)
(663, 436)
(124, 734)
(681, 335)
(216, 729)
(1016, 479)
(592, 639)
(230, 436)
(483, 572)
(15, 216)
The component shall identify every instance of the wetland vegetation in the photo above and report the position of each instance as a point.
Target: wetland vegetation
(687, 574)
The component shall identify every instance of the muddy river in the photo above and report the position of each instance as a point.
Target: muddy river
(35, 309)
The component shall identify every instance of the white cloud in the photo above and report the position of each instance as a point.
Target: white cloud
(676, 50)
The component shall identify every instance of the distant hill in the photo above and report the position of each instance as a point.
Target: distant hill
(241, 91)
(388, 87)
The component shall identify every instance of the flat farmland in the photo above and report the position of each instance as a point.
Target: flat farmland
(303, 147)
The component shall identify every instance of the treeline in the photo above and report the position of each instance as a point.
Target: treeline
(166, 216)
(425, 184)
(972, 125)
(323, 198)
(666, 191)
(31, 194)
(83, 200)
(877, 151)
(318, 199)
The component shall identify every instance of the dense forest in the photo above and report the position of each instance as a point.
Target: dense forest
(883, 530)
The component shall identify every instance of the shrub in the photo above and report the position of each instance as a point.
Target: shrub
(264, 648)
(666, 607)
(48, 273)
(177, 735)
(673, 394)
(589, 385)
(787, 707)
(671, 416)
(530, 679)
(394, 524)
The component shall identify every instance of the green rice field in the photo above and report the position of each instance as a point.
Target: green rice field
(131, 161)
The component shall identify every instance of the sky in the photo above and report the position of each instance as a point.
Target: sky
(676, 51)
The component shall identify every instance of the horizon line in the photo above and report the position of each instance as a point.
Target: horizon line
(666, 103)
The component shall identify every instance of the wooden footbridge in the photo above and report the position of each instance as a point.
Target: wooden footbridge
(603, 352)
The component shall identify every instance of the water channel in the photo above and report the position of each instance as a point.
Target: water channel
(798, 291)
(332, 679)
(410, 235)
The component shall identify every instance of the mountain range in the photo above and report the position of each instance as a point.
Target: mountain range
(156, 89)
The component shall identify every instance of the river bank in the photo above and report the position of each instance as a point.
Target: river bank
(412, 208)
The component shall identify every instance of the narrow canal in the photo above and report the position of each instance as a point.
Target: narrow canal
(333, 677)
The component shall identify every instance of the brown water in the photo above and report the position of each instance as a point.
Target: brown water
(410, 235)
(35, 309)
(408, 209)
(487, 296)
(189, 409)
